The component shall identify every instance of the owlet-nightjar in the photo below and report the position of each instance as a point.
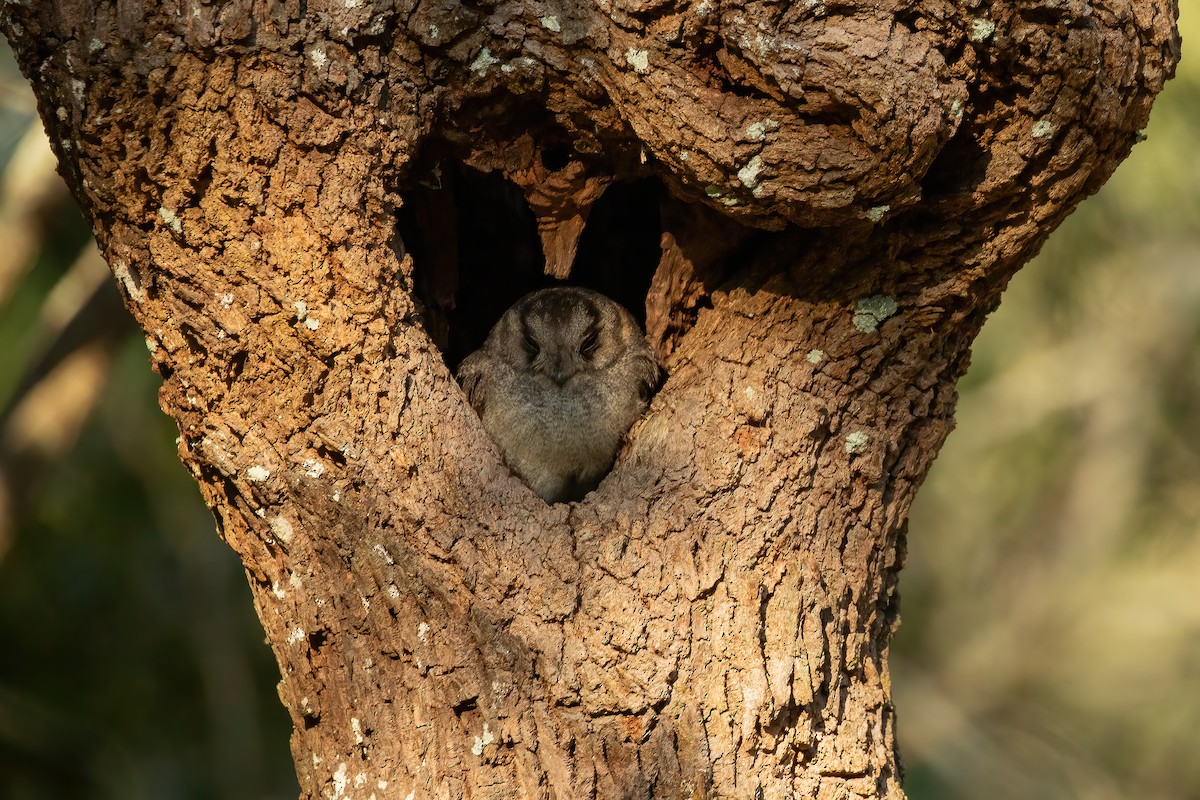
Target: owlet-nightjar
(560, 379)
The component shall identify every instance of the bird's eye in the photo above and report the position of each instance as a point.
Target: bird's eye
(589, 344)
(531, 345)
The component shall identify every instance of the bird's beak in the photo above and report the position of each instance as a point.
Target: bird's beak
(559, 371)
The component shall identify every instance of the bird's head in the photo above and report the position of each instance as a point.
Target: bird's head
(563, 332)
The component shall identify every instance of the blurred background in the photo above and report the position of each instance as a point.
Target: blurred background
(1051, 638)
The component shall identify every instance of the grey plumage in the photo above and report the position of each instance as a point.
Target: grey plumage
(560, 379)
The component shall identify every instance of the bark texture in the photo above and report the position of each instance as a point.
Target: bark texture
(848, 187)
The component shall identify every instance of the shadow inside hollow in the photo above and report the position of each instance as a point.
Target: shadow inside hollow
(476, 250)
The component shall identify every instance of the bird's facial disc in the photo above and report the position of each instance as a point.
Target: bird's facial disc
(562, 340)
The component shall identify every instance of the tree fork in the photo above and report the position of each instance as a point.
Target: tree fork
(846, 189)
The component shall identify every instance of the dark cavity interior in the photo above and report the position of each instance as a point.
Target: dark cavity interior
(475, 249)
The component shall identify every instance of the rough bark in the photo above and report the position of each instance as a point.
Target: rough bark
(848, 187)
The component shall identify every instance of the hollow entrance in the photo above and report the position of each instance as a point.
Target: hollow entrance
(476, 251)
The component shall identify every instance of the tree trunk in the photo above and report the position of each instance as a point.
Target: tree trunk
(835, 195)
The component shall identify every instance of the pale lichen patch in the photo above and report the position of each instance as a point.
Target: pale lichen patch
(815, 356)
(748, 174)
(258, 474)
(129, 279)
(982, 29)
(295, 635)
(877, 213)
(484, 61)
(384, 554)
(1043, 129)
(281, 528)
(764, 44)
(313, 468)
(319, 59)
(423, 631)
(339, 781)
(873, 310)
(856, 442)
(482, 741)
(169, 217)
(356, 729)
(638, 59)
(551, 23)
(757, 131)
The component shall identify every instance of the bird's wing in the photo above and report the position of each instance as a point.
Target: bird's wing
(471, 376)
(648, 374)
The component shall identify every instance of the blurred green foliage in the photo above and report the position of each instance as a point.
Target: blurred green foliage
(133, 664)
(1051, 636)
